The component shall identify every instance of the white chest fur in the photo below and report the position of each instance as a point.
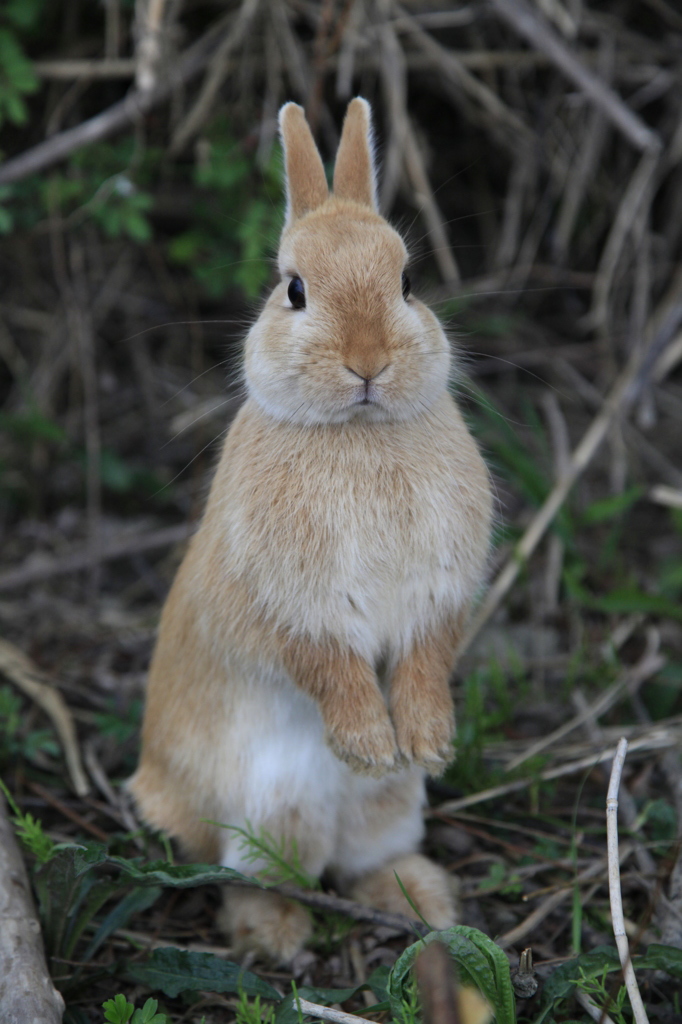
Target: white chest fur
(369, 531)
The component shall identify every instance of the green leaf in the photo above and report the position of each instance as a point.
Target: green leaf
(480, 962)
(61, 885)
(23, 14)
(132, 903)
(562, 982)
(148, 1014)
(118, 1010)
(6, 221)
(608, 508)
(172, 971)
(176, 876)
(662, 958)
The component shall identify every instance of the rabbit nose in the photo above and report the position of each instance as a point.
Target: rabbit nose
(364, 373)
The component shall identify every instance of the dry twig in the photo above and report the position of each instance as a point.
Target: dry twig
(135, 105)
(21, 671)
(619, 400)
(26, 993)
(614, 886)
(650, 663)
(34, 572)
(526, 22)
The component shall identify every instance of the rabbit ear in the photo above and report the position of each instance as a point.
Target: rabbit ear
(306, 183)
(354, 174)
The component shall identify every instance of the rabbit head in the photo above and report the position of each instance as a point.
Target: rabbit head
(341, 338)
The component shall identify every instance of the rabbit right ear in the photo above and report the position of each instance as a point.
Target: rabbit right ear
(306, 184)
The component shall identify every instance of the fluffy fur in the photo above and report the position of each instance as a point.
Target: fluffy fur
(300, 679)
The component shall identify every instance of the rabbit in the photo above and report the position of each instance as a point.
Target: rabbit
(300, 681)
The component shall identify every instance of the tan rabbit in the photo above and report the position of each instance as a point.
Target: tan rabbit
(300, 679)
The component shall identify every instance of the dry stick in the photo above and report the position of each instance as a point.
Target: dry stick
(326, 1013)
(595, 1012)
(628, 684)
(21, 671)
(561, 449)
(68, 812)
(135, 105)
(30, 572)
(27, 993)
(435, 225)
(668, 496)
(79, 300)
(394, 85)
(525, 928)
(340, 905)
(654, 740)
(635, 194)
(620, 398)
(414, 161)
(614, 885)
(629, 815)
(215, 77)
(524, 21)
(451, 66)
(123, 67)
(148, 17)
(582, 170)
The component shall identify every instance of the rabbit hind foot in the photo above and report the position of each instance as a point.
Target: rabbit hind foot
(430, 888)
(265, 922)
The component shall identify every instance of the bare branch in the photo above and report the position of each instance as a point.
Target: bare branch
(27, 993)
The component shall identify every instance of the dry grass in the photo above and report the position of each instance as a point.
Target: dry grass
(533, 153)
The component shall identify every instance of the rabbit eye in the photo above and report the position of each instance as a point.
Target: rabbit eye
(406, 285)
(296, 293)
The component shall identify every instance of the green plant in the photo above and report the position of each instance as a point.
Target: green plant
(119, 1011)
(250, 1011)
(506, 882)
(224, 250)
(409, 1012)
(486, 708)
(17, 77)
(479, 962)
(595, 989)
(29, 831)
(15, 740)
(281, 862)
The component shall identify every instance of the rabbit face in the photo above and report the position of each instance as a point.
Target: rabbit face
(353, 343)
(341, 338)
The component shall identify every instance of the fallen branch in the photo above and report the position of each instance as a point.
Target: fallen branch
(655, 739)
(135, 105)
(118, 67)
(627, 685)
(638, 1010)
(348, 908)
(27, 994)
(30, 572)
(623, 394)
(525, 928)
(526, 22)
(326, 1013)
(21, 671)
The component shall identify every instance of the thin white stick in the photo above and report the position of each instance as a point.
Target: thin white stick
(594, 1011)
(327, 1013)
(614, 885)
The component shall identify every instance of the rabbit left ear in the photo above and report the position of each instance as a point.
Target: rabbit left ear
(354, 173)
(305, 178)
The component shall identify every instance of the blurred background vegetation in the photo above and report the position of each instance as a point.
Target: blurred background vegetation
(531, 152)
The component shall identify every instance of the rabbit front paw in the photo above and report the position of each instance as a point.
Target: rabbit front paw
(425, 739)
(369, 749)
